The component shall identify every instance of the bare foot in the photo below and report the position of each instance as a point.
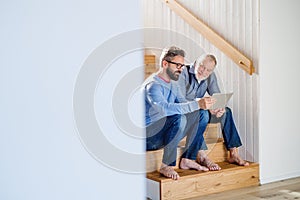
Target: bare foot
(169, 172)
(209, 164)
(191, 164)
(203, 159)
(236, 159)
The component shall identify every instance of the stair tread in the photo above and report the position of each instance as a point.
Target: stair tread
(184, 174)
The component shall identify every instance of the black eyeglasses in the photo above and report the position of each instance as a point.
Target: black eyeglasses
(178, 65)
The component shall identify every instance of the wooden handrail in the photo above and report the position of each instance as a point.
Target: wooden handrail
(229, 50)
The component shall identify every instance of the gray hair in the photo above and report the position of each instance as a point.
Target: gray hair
(200, 60)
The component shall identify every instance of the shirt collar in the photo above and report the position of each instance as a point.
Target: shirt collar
(163, 82)
(192, 68)
(192, 71)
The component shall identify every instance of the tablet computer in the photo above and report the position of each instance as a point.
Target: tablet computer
(221, 100)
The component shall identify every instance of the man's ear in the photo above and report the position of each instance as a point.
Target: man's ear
(164, 64)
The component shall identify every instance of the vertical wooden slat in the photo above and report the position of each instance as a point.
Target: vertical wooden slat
(242, 78)
(235, 76)
(217, 23)
(249, 83)
(255, 86)
(229, 62)
(222, 23)
(207, 12)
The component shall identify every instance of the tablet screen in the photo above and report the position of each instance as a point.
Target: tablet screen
(221, 100)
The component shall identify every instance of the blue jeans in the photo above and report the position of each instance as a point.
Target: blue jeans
(166, 133)
(229, 131)
(196, 125)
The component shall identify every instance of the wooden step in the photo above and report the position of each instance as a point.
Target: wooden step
(193, 183)
(216, 150)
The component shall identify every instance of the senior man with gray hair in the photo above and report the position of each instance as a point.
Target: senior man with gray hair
(194, 81)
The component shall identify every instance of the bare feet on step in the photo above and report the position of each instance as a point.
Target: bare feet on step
(169, 172)
(236, 159)
(203, 160)
(191, 164)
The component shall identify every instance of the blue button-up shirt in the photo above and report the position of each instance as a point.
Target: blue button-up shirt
(192, 89)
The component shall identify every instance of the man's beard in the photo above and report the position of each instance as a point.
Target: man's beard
(173, 75)
(199, 79)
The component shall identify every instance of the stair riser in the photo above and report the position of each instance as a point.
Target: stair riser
(210, 183)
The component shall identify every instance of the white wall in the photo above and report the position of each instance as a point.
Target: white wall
(279, 93)
(43, 47)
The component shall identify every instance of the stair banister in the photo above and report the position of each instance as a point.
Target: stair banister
(219, 42)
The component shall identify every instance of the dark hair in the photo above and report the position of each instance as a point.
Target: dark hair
(171, 52)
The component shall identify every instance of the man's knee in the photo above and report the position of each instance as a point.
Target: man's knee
(228, 112)
(177, 127)
(179, 120)
(204, 116)
(227, 109)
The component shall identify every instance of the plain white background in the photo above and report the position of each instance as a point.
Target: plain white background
(279, 90)
(43, 45)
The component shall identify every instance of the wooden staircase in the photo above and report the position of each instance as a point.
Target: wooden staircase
(194, 183)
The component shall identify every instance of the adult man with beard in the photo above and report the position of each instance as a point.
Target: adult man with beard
(169, 117)
(195, 81)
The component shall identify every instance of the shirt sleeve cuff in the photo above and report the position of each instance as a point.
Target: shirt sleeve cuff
(194, 106)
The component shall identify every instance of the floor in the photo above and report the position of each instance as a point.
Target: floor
(286, 190)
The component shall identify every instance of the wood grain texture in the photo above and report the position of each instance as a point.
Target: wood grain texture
(149, 65)
(193, 183)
